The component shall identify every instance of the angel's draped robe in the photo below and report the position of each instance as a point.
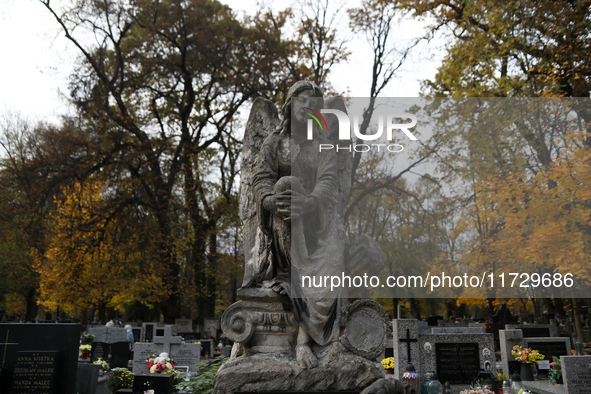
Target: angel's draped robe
(313, 245)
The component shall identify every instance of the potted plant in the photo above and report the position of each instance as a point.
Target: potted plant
(84, 351)
(103, 364)
(86, 339)
(555, 370)
(528, 358)
(388, 364)
(119, 378)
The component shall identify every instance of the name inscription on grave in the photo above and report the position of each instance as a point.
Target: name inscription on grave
(549, 349)
(457, 363)
(35, 372)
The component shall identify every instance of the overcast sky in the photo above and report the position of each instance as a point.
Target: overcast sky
(37, 59)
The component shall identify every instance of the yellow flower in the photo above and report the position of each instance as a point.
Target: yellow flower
(388, 363)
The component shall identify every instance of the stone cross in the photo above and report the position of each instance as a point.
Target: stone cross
(167, 339)
(408, 341)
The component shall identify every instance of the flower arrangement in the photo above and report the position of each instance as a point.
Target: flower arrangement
(102, 363)
(84, 351)
(555, 369)
(119, 378)
(478, 390)
(388, 363)
(160, 364)
(86, 339)
(527, 355)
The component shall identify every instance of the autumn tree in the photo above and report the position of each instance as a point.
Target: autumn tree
(525, 48)
(160, 86)
(97, 257)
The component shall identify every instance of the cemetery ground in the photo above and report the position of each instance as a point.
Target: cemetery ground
(50, 358)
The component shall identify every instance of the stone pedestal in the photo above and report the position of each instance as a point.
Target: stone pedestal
(265, 332)
(261, 322)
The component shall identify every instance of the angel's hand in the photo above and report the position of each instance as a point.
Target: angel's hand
(301, 204)
(279, 204)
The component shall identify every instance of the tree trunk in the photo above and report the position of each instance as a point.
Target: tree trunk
(578, 322)
(31, 308)
(395, 302)
(102, 313)
(170, 268)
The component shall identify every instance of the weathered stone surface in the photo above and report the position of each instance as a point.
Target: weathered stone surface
(366, 329)
(576, 372)
(338, 369)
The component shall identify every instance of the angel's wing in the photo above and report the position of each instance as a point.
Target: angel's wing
(262, 121)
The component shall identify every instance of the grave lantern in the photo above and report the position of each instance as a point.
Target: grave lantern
(485, 378)
(431, 385)
(411, 377)
(516, 382)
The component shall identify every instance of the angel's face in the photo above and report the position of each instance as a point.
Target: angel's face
(306, 99)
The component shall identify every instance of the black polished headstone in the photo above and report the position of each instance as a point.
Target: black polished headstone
(35, 372)
(87, 378)
(149, 332)
(550, 349)
(119, 355)
(159, 332)
(64, 338)
(100, 350)
(161, 384)
(457, 363)
(137, 334)
(535, 332)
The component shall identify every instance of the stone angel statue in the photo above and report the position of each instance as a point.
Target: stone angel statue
(292, 199)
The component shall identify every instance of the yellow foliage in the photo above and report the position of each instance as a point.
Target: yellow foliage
(93, 258)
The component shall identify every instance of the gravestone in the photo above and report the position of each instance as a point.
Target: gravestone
(159, 332)
(99, 332)
(108, 334)
(61, 338)
(35, 372)
(207, 348)
(405, 345)
(458, 353)
(457, 363)
(119, 355)
(508, 339)
(211, 325)
(87, 378)
(100, 350)
(183, 325)
(548, 346)
(534, 330)
(116, 334)
(576, 372)
(181, 353)
(186, 355)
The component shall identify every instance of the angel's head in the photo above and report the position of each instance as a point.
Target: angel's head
(305, 90)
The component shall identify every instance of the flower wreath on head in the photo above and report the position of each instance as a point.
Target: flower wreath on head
(160, 364)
